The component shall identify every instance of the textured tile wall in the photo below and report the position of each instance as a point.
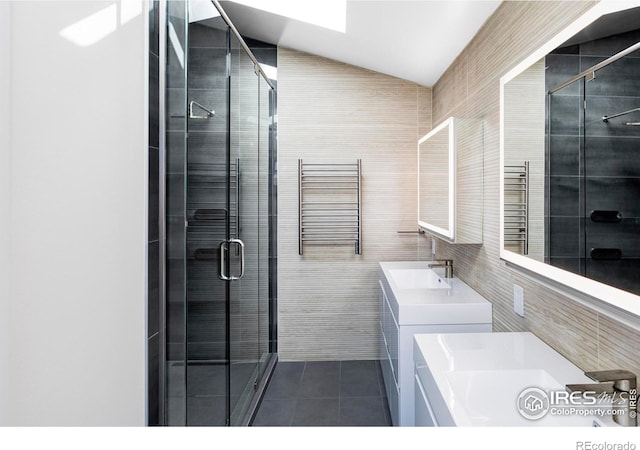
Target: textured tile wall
(331, 112)
(325, 313)
(470, 88)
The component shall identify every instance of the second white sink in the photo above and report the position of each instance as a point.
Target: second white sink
(496, 379)
(479, 406)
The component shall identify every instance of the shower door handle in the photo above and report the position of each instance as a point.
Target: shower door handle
(241, 245)
(224, 246)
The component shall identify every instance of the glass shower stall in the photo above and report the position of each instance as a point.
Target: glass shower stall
(219, 221)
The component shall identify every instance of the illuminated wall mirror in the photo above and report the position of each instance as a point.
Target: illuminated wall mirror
(436, 189)
(450, 181)
(570, 153)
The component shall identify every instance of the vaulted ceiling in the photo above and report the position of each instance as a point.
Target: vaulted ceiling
(414, 40)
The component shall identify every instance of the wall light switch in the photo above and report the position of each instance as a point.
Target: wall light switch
(433, 247)
(518, 300)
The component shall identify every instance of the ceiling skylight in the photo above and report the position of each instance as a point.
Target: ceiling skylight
(330, 14)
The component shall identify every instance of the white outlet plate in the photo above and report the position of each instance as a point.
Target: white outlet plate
(518, 300)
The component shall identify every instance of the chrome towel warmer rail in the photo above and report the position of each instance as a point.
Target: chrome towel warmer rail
(516, 205)
(330, 204)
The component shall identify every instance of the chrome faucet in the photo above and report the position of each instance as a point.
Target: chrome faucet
(448, 267)
(614, 382)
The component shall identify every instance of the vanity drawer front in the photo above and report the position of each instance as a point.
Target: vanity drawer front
(390, 331)
(391, 389)
(424, 416)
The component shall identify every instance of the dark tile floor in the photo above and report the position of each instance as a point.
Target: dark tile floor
(325, 393)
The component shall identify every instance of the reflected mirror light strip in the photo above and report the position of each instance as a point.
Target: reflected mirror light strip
(97, 26)
(201, 10)
(330, 14)
(175, 44)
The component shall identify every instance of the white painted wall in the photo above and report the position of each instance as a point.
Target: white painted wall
(5, 201)
(78, 213)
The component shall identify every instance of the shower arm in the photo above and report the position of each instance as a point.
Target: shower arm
(209, 112)
(606, 118)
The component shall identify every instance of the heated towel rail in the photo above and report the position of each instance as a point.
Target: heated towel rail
(516, 206)
(329, 204)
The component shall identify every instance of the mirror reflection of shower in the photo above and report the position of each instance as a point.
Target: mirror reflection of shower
(592, 217)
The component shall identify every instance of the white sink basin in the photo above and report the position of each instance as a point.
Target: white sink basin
(498, 379)
(418, 279)
(419, 295)
(483, 406)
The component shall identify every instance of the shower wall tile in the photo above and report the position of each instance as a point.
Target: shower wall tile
(568, 50)
(565, 158)
(565, 196)
(601, 105)
(175, 237)
(611, 45)
(175, 194)
(208, 147)
(619, 79)
(622, 235)
(209, 37)
(175, 107)
(153, 382)
(614, 194)
(207, 68)
(564, 236)
(573, 265)
(567, 114)
(175, 280)
(175, 323)
(612, 156)
(154, 101)
(154, 194)
(153, 290)
(561, 67)
(623, 273)
(175, 152)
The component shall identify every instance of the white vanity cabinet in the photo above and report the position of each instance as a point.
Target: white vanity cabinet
(407, 308)
(450, 181)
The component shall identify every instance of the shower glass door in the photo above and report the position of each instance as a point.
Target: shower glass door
(211, 221)
(218, 225)
(243, 293)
